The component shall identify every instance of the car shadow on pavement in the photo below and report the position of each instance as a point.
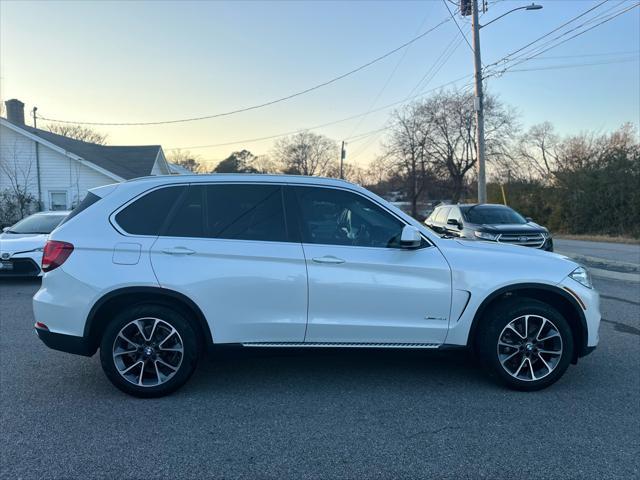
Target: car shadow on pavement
(350, 369)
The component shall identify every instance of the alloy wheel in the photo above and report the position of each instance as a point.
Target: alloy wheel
(530, 347)
(147, 352)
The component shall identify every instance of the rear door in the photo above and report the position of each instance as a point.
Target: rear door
(229, 248)
(364, 288)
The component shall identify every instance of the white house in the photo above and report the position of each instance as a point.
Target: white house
(58, 170)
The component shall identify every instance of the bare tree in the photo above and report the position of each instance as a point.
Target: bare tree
(451, 134)
(378, 171)
(19, 170)
(186, 159)
(537, 151)
(77, 132)
(436, 137)
(264, 164)
(306, 153)
(406, 151)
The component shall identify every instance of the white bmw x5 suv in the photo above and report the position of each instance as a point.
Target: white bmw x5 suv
(155, 271)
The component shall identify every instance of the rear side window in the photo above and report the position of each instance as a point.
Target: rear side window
(231, 211)
(86, 202)
(147, 214)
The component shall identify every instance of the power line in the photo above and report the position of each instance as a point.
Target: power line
(546, 34)
(581, 55)
(389, 78)
(574, 65)
(540, 52)
(506, 70)
(367, 134)
(457, 25)
(429, 75)
(265, 104)
(328, 124)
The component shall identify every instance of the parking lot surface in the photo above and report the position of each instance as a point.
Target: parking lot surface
(320, 414)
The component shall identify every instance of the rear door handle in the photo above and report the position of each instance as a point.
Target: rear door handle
(178, 251)
(328, 259)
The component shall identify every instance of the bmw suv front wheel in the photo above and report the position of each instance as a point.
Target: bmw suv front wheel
(526, 343)
(149, 350)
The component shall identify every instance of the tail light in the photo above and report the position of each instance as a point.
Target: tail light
(55, 253)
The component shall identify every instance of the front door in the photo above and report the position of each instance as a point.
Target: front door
(364, 288)
(227, 247)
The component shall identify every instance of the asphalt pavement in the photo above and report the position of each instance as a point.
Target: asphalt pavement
(322, 413)
(614, 252)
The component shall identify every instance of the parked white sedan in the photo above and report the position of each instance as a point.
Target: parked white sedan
(21, 244)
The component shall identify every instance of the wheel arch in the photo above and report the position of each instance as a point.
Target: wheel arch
(555, 296)
(99, 314)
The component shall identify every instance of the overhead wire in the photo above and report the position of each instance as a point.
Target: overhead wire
(389, 78)
(260, 105)
(537, 52)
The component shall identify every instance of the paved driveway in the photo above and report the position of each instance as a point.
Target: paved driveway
(320, 414)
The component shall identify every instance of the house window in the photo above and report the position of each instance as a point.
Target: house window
(58, 201)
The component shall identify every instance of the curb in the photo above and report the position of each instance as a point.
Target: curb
(609, 269)
(598, 262)
(611, 275)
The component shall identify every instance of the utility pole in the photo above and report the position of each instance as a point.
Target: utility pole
(479, 105)
(37, 152)
(470, 7)
(343, 154)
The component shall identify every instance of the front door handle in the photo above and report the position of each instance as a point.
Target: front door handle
(178, 251)
(329, 259)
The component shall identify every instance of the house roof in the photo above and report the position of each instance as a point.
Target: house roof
(179, 169)
(124, 161)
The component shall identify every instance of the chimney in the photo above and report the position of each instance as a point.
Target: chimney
(15, 111)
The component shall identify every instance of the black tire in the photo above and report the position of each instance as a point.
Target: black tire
(493, 325)
(186, 363)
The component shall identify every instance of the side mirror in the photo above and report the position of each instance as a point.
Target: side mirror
(528, 219)
(454, 222)
(410, 237)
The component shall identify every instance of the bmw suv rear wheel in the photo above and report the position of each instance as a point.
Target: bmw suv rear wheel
(149, 350)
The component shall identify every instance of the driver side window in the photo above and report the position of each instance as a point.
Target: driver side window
(337, 217)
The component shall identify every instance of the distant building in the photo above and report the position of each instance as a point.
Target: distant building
(58, 170)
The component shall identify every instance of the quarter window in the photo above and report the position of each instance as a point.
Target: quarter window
(336, 217)
(146, 215)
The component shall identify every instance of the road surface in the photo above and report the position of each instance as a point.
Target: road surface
(320, 414)
(615, 252)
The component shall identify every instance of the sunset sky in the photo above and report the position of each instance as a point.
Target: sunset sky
(154, 61)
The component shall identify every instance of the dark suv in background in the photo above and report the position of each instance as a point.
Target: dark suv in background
(492, 223)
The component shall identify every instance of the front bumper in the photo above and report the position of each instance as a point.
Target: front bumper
(590, 300)
(65, 343)
(22, 265)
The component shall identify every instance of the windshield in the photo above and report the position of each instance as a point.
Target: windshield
(37, 224)
(492, 215)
